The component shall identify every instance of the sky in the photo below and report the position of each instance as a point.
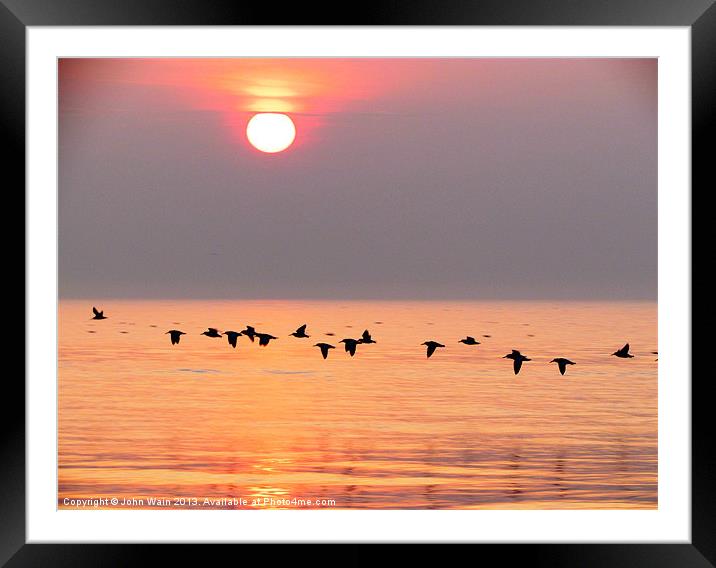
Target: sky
(408, 179)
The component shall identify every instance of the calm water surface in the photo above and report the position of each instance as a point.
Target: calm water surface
(140, 418)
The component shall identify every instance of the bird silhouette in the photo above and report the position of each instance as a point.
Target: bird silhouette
(350, 345)
(366, 338)
(655, 353)
(517, 359)
(623, 353)
(249, 332)
(212, 332)
(98, 315)
(432, 346)
(175, 335)
(232, 336)
(301, 332)
(562, 363)
(324, 348)
(469, 341)
(264, 338)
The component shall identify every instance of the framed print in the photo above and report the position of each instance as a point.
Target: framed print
(356, 283)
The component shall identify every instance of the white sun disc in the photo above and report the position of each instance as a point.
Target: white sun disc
(270, 132)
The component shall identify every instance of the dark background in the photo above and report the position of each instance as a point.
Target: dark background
(15, 15)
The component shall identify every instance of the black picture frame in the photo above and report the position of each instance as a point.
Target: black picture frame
(699, 15)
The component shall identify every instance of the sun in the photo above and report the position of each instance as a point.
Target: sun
(271, 132)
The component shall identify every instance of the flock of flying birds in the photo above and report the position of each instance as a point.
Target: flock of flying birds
(351, 344)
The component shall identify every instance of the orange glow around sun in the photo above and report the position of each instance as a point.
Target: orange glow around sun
(305, 92)
(271, 132)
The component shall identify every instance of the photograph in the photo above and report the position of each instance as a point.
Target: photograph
(357, 283)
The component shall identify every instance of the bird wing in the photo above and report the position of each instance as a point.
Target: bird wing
(517, 365)
(366, 335)
(324, 350)
(96, 311)
(351, 348)
(232, 339)
(470, 338)
(263, 340)
(562, 366)
(431, 349)
(625, 349)
(301, 330)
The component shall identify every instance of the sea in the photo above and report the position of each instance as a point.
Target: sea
(145, 424)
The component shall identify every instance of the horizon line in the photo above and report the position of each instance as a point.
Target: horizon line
(358, 299)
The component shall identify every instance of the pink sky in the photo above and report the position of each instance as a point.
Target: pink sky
(543, 164)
